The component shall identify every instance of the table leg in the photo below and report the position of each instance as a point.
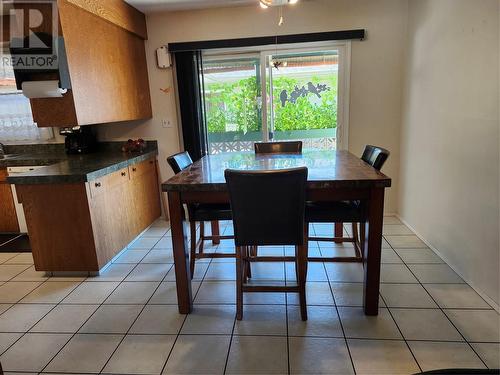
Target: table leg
(373, 245)
(339, 232)
(180, 249)
(215, 232)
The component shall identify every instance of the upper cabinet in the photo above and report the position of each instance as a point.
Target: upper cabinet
(105, 64)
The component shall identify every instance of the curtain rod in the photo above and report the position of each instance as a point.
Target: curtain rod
(357, 34)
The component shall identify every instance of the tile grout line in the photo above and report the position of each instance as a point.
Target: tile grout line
(454, 326)
(86, 320)
(232, 335)
(338, 316)
(48, 312)
(186, 315)
(401, 333)
(263, 335)
(135, 320)
(20, 272)
(55, 305)
(91, 315)
(286, 314)
(442, 311)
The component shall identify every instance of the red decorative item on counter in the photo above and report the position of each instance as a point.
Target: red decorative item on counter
(138, 145)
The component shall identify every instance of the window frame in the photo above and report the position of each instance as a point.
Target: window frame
(344, 77)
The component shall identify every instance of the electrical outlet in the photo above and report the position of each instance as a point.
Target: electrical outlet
(165, 123)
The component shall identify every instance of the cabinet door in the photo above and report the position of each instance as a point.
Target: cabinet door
(145, 193)
(153, 194)
(8, 216)
(110, 209)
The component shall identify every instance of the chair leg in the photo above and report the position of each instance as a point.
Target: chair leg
(339, 232)
(192, 258)
(215, 232)
(253, 251)
(297, 276)
(239, 283)
(301, 264)
(244, 264)
(357, 242)
(248, 263)
(362, 234)
(202, 236)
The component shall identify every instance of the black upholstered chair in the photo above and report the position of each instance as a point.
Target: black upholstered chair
(268, 209)
(202, 213)
(375, 156)
(180, 161)
(289, 147)
(353, 212)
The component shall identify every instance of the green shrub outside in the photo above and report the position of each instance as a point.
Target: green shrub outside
(236, 103)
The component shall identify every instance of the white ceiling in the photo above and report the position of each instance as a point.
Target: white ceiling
(148, 6)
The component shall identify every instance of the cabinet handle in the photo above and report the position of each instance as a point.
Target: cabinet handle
(97, 184)
(134, 169)
(124, 174)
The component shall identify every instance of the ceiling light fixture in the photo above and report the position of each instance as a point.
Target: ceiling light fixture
(276, 3)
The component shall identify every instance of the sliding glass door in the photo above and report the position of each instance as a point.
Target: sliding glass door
(275, 95)
(232, 95)
(303, 91)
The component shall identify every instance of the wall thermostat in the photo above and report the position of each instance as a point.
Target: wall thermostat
(163, 58)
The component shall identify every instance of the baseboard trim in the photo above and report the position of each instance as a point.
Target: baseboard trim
(492, 303)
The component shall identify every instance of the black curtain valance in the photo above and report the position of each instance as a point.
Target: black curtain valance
(357, 34)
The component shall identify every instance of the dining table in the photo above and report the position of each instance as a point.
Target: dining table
(333, 175)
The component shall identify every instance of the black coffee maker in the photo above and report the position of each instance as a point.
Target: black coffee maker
(79, 140)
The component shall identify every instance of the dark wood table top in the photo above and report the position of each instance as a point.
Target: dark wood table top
(326, 169)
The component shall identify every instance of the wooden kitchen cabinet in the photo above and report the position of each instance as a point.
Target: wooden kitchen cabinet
(142, 184)
(82, 226)
(106, 63)
(109, 208)
(8, 216)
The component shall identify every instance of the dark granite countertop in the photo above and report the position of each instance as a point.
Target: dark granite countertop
(22, 160)
(61, 168)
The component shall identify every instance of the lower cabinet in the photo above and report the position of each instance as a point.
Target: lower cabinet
(8, 216)
(81, 227)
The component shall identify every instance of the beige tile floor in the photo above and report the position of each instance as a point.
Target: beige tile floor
(125, 321)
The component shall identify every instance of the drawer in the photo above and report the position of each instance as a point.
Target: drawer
(109, 181)
(139, 169)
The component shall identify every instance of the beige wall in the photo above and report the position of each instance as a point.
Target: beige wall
(449, 178)
(376, 70)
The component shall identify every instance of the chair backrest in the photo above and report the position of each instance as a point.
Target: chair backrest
(268, 206)
(292, 147)
(180, 161)
(375, 156)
